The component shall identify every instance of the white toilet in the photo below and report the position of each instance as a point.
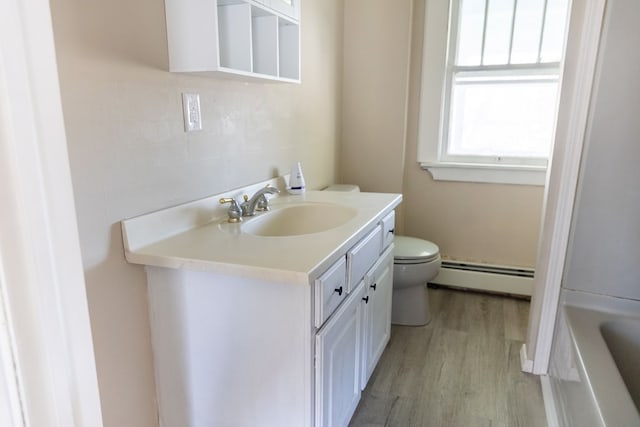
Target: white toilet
(415, 263)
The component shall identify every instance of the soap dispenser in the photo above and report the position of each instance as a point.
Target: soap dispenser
(296, 179)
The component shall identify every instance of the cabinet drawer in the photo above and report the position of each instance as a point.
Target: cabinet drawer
(362, 256)
(388, 229)
(330, 291)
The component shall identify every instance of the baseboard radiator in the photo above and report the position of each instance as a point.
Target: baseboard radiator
(485, 277)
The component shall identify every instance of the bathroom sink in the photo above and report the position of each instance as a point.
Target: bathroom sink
(297, 220)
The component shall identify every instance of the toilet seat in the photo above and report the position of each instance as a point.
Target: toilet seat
(410, 250)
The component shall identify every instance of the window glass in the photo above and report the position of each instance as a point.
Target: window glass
(502, 117)
(471, 22)
(527, 31)
(498, 33)
(554, 29)
(500, 98)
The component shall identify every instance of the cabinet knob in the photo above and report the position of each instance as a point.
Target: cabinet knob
(374, 286)
(392, 230)
(338, 290)
(366, 299)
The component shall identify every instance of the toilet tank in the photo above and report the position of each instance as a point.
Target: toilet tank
(342, 187)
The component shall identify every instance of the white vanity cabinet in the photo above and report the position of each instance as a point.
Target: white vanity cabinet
(338, 363)
(388, 224)
(259, 331)
(330, 290)
(243, 38)
(344, 361)
(376, 313)
(362, 256)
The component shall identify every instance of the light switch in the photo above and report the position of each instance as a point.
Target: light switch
(191, 110)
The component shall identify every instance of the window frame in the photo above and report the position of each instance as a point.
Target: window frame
(438, 71)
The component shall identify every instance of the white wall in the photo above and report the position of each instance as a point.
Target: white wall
(492, 223)
(605, 237)
(129, 155)
(377, 42)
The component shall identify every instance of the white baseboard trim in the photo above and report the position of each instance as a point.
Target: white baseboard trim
(526, 365)
(480, 280)
(549, 402)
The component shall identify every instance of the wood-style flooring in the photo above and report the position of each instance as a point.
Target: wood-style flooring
(463, 369)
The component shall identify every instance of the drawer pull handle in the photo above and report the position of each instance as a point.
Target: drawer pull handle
(392, 230)
(338, 290)
(366, 300)
(374, 286)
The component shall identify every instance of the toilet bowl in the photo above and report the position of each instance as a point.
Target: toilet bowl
(415, 263)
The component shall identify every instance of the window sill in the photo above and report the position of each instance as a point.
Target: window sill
(487, 173)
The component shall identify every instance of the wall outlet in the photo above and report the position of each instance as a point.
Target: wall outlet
(191, 110)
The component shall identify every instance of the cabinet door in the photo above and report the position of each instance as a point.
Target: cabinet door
(338, 352)
(290, 8)
(377, 327)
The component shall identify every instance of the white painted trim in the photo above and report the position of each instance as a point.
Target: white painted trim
(436, 72)
(526, 364)
(47, 319)
(434, 52)
(10, 401)
(484, 281)
(550, 408)
(578, 77)
(486, 173)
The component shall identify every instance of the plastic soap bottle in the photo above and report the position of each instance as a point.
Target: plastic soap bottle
(296, 179)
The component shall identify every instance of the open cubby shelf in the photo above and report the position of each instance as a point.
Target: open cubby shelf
(245, 38)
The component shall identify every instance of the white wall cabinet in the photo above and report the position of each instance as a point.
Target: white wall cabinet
(242, 38)
(291, 8)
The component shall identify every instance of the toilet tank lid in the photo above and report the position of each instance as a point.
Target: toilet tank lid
(413, 248)
(343, 187)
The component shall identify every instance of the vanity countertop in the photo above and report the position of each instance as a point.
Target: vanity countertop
(197, 236)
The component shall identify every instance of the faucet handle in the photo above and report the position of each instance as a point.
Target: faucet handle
(262, 205)
(234, 212)
(244, 206)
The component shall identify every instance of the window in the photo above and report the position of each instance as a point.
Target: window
(497, 65)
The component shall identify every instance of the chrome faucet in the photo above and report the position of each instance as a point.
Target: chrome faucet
(234, 212)
(258, 202)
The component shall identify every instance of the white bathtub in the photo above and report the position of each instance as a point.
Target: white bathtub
(595, 366)
(622, 336)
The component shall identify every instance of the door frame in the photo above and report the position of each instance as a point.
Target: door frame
(47, 363)
(579, 72)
